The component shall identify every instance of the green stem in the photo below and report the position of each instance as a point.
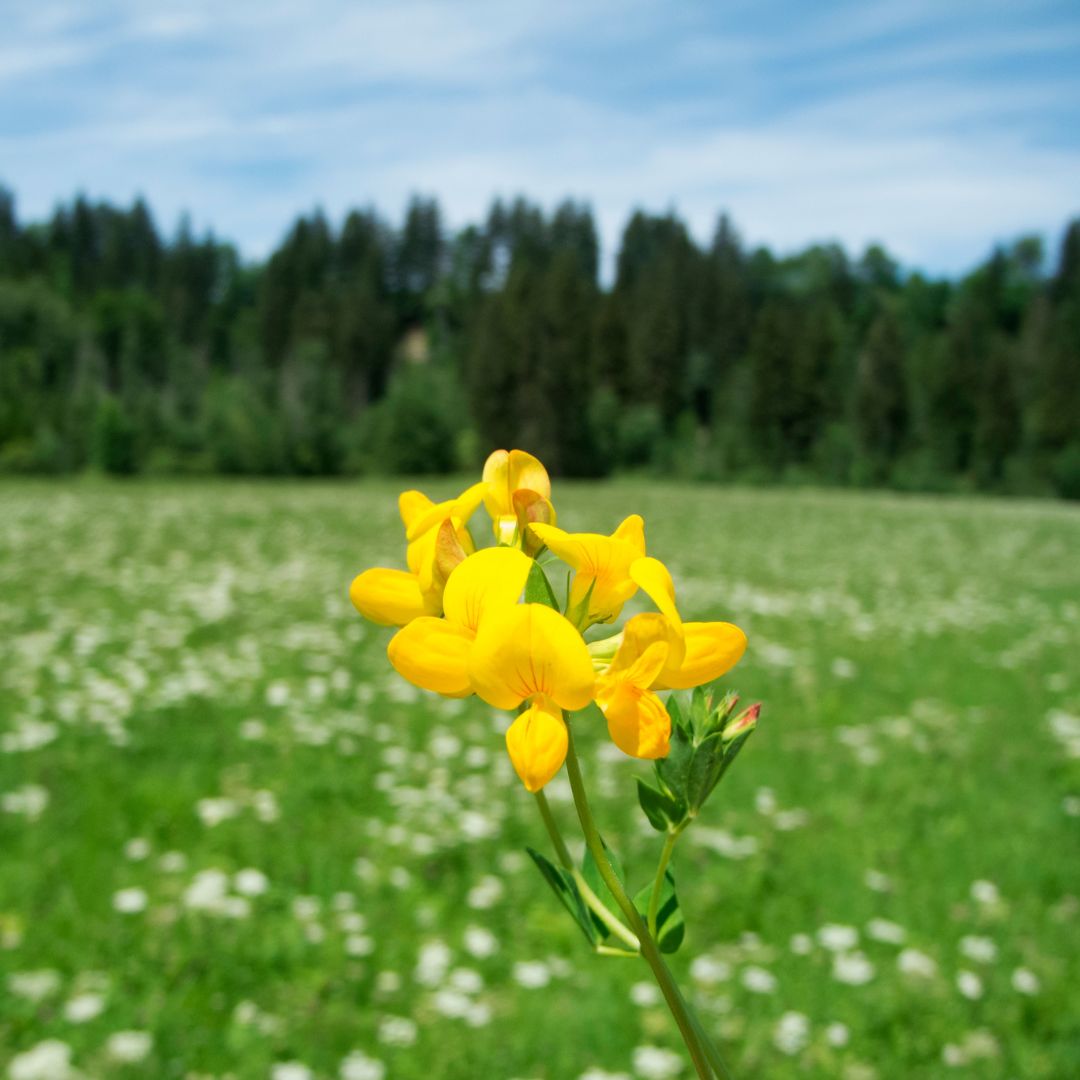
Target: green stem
(557, 841)
(687, 1026)
(595, 904)
(658, 881)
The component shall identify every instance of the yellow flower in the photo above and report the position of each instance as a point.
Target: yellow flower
(696, 652)
(516, 492)
(531, 653)
(601, 567)
(438, 539)
(434, 653)
(637, 720)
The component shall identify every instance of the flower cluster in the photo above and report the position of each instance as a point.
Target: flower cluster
(486, 622)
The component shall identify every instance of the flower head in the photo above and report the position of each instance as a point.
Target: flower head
(438, 539)
(516, 492)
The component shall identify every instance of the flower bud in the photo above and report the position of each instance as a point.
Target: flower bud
(743, 724)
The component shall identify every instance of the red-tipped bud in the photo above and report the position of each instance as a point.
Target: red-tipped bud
(743, 724)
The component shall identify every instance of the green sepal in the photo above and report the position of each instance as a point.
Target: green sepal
(565, 888)
(700, 702)
(665, 812)
(579, 615)
(538, 589)
(670, 927)
(705, 769)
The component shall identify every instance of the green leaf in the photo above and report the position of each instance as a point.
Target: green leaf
(670, 927)
(591, 873)
(538, 589)
(565, 888)
(673, 770)
(664, 811)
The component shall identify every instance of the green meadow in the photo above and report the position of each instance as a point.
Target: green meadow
(233, 843)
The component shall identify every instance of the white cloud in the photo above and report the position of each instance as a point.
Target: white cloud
(257, 112)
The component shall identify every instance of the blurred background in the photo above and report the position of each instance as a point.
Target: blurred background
(736, 242)
(800, 283)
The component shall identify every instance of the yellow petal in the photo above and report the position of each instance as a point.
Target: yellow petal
(529, 649)
(712, 649)
(492, 578)
(537, 742)
(433, 514)
(387, 597)
(653, 576)
(504, 473)
(527, 472)
(496, 484)
(601, 563)
(644, 630)
(632, 531)
(412, 505)
(640, 669)
(637, 722)
(434, 655)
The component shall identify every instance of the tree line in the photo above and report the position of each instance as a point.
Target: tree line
(412, 348)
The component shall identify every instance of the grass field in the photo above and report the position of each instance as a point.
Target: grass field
(234, 843)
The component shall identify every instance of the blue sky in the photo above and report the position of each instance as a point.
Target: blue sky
(936, 128)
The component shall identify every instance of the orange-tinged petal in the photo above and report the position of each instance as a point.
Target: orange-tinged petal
(712, 649)
(643, 630)
(388, 597)
(434, 655)
(637, 722)
(491, 578)
(529, 649)
(653, 576)
(537, 742)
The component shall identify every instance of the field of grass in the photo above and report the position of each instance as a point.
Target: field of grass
(233, 843)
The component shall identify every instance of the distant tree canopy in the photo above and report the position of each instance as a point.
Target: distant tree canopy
(415, 349)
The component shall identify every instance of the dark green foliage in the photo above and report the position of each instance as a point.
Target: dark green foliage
(365, 347)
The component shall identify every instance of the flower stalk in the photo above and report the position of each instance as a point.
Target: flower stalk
(488, 622)
(688, 1025)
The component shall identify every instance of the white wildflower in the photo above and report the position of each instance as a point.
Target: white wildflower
(913, 962)
(129, 901)
(853, 968)
(250, 882)
(759, 980)
(480, 942)
(885, 931)
(84, 1007)
(532, 974)
(656, 1063)
(358, 1066)
(397, 1031)
(838, 938)
(791, 1033)
(980, 949)
(129, 1047)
